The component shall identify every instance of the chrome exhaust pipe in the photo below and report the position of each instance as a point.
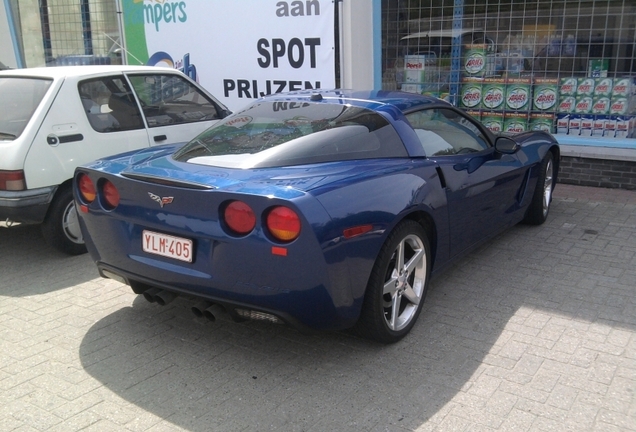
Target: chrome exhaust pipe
(200, 307)
(212, 312)
(150, 294)
(164, 297)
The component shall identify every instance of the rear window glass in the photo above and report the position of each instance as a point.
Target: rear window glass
(20, 97)
(275, 134)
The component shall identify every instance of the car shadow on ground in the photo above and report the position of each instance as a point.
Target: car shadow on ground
(27, 257)
(531, 296)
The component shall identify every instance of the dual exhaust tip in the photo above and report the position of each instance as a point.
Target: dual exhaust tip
(203, 309)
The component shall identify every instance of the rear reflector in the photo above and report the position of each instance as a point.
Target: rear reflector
(356, 231)
(279, 251)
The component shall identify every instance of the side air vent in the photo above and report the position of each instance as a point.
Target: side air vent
(167, 182)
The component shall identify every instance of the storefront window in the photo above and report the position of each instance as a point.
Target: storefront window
(563, 66)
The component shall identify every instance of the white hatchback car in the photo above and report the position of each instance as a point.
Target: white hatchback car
(54, 119)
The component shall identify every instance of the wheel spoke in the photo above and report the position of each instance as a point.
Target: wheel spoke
(411, 295)
(391, 285)
(399, 259)
(414, 261)
(547, 187)
(395, 310)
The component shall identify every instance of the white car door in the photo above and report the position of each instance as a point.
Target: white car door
(175, 108)
(80, 127)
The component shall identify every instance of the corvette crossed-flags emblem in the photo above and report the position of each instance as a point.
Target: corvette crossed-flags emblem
(161, 200)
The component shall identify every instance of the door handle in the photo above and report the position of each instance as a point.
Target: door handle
(158, 138)
(54, 140)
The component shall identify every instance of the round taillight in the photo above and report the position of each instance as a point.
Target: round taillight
(86, 188)
(283, 223)
(110, 195)
(239, 217)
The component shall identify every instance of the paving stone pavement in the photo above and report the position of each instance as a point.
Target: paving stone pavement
(534, 331)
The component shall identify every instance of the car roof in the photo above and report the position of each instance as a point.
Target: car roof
(57, 72)
(373, 99)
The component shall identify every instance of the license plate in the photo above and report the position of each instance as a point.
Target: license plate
(167, 246)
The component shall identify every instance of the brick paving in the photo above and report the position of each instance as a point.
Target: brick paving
(534, 331)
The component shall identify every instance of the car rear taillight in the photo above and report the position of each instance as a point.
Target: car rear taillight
(239, 217)
(283, 223)
(12, 180)
(86, 188)
(110, 195)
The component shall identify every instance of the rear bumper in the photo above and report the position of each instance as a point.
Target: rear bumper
(306, 312)
(29, 206)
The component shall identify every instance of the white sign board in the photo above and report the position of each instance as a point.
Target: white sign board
(237, 50)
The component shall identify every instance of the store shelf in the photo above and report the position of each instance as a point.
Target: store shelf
(597, 148)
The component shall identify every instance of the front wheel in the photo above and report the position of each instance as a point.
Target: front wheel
(397, 285)
(61, 227)
(540, 206)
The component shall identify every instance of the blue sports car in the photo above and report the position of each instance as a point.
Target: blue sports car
(320, 209)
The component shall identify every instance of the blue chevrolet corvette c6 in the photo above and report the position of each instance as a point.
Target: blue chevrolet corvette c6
(320, 209)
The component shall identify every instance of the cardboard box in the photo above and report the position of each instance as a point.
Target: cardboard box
(585, 87)
(493, 120)
(623, 127)
(518, 94)
(574, 126)
(563, 123)
(601, 105)
(603, 87)
(597, 68)
(515, 122)
(545, 94)
(623, 87)
(471, 93)
(493, 94)
(541, 122)
(587, 123)
(583, 105)
(610, 127)
(567, 104)
(567, 86)
(598, 125)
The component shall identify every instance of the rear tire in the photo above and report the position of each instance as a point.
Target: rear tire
(540, 206)
(397, 285)
(61, 227)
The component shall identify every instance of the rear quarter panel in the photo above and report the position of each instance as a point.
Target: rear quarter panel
(383, 199)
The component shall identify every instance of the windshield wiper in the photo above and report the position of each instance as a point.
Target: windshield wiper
(7, 135)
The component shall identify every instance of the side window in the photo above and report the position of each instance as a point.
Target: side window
(109, 104)
(446, 132)
(171, 99)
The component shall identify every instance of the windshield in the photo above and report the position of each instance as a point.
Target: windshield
(275, 134)
(20, 97)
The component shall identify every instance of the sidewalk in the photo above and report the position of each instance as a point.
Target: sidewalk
(535, 331)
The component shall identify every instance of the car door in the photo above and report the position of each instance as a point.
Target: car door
(483, 187)
(175, 108)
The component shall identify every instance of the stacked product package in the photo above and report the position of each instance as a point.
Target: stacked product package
(512, 104)
(508, 102)
(597, 107)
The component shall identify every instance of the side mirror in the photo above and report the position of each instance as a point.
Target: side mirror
(506, 145)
